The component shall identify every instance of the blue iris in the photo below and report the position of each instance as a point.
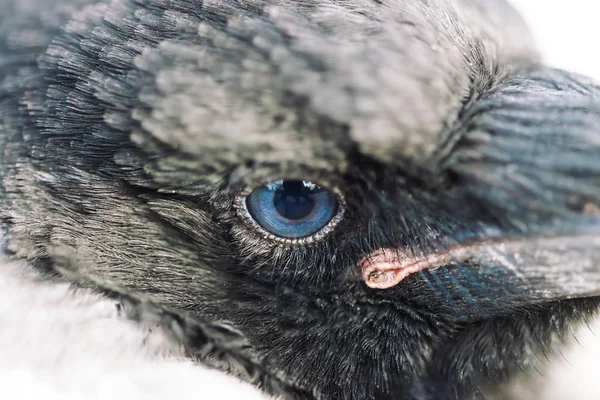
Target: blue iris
(292, 209)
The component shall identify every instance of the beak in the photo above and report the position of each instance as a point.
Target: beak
(526, 175)
(547, 267)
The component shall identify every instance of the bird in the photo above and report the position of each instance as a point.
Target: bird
(330, 199)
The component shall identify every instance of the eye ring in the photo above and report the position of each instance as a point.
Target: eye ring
(244, 205)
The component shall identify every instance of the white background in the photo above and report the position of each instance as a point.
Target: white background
(567, 31)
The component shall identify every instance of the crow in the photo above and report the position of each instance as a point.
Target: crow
(331, 199)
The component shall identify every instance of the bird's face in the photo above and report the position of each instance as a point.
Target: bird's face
(389, 200)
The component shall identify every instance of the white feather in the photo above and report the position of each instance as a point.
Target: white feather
(57, 342)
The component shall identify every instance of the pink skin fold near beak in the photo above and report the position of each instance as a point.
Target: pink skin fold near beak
(385, 268)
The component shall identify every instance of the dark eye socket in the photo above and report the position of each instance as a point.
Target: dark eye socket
(293, 209)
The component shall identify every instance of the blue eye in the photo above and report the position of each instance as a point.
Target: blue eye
(292, 209)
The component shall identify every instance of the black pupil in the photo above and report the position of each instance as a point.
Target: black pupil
(293, 200)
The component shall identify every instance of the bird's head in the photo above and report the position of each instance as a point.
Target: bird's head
(381, 196)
